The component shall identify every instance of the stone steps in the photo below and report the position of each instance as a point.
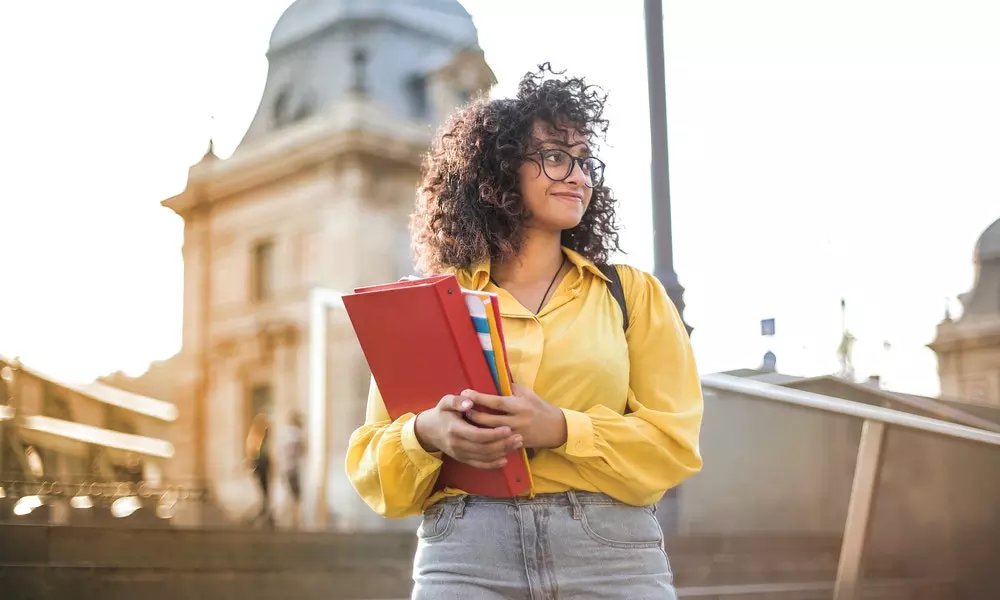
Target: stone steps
(43, 562)
(56, 582)
(741, 560)
(60, 582)
(229, 550)
(823, 590)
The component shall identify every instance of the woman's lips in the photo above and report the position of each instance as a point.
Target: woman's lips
(569, 196)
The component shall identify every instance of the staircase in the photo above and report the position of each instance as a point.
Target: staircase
(54, 563)
(789, 567)
(879, 590)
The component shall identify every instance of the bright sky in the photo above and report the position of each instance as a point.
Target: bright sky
(818, 150)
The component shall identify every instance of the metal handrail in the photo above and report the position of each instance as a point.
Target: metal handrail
(868, 465)
(768, 391)
(101, 392)
(88, 434)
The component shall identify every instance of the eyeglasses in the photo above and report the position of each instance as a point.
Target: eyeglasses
(558, 165)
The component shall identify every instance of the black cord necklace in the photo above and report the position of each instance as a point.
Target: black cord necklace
(547, 290)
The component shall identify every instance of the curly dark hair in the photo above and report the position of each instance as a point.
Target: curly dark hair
(469, 207)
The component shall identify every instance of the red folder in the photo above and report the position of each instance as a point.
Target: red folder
(420, 344)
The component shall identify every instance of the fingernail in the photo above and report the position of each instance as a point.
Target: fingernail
(466, 404)
(467, 393)
(517, 445)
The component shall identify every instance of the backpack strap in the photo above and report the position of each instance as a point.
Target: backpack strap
(617, 291)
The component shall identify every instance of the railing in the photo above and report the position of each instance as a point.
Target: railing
(869, 460)
(40, 426)
(99, 392)
(120, 498)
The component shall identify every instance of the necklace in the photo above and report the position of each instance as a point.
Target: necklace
(547, 290)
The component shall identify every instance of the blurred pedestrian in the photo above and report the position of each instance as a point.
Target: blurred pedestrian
(258, 455)
(293, 456)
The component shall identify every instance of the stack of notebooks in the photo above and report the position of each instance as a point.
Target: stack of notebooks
(427, 338)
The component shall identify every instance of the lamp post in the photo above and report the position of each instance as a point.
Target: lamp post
(663, 250)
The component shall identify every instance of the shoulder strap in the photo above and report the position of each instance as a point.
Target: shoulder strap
(617, 291)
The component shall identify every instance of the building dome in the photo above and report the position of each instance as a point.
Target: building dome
(385, 52)
(446, 19)
(988, 246)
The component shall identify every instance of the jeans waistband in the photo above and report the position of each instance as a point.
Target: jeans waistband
(570, 498)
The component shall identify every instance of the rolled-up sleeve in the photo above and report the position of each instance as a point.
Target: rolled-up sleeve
(638, 456)
(386, 464)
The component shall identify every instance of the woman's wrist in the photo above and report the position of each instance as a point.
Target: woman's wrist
(557, 428)
(422, 431)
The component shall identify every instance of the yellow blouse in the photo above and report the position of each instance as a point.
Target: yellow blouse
(574, 354)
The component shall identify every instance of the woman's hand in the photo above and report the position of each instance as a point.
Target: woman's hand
(540, 424)
(444, 428)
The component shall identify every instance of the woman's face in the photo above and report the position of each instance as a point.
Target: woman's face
(555, 205)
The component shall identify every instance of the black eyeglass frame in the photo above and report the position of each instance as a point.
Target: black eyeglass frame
(575, 160)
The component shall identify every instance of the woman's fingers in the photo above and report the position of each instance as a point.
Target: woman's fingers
(496, 464)
(459, 429)
(481, 447)
(454, 403)
(488, 452)
(491, 451)
(504, 404)
(486, 419)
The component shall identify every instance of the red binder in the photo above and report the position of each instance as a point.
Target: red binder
(420, 344)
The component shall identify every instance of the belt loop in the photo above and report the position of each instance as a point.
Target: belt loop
(575, 503)
(460, 510)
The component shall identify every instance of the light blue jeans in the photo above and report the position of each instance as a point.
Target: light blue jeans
(578, 545)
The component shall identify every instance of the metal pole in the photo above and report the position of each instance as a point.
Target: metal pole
(859, 511)
(662, 227)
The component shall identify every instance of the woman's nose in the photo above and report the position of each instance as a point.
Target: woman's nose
(576, 174)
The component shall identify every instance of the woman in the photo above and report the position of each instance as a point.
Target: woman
(513, 201)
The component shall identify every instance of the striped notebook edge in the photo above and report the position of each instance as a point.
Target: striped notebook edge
(481, 322)
(481, 308)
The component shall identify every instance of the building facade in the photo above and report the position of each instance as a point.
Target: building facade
(317, 196)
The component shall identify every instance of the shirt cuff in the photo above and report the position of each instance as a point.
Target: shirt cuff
(421, 459)
(579, 435)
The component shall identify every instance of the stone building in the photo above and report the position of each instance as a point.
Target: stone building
(316, 197)
(968, 348)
